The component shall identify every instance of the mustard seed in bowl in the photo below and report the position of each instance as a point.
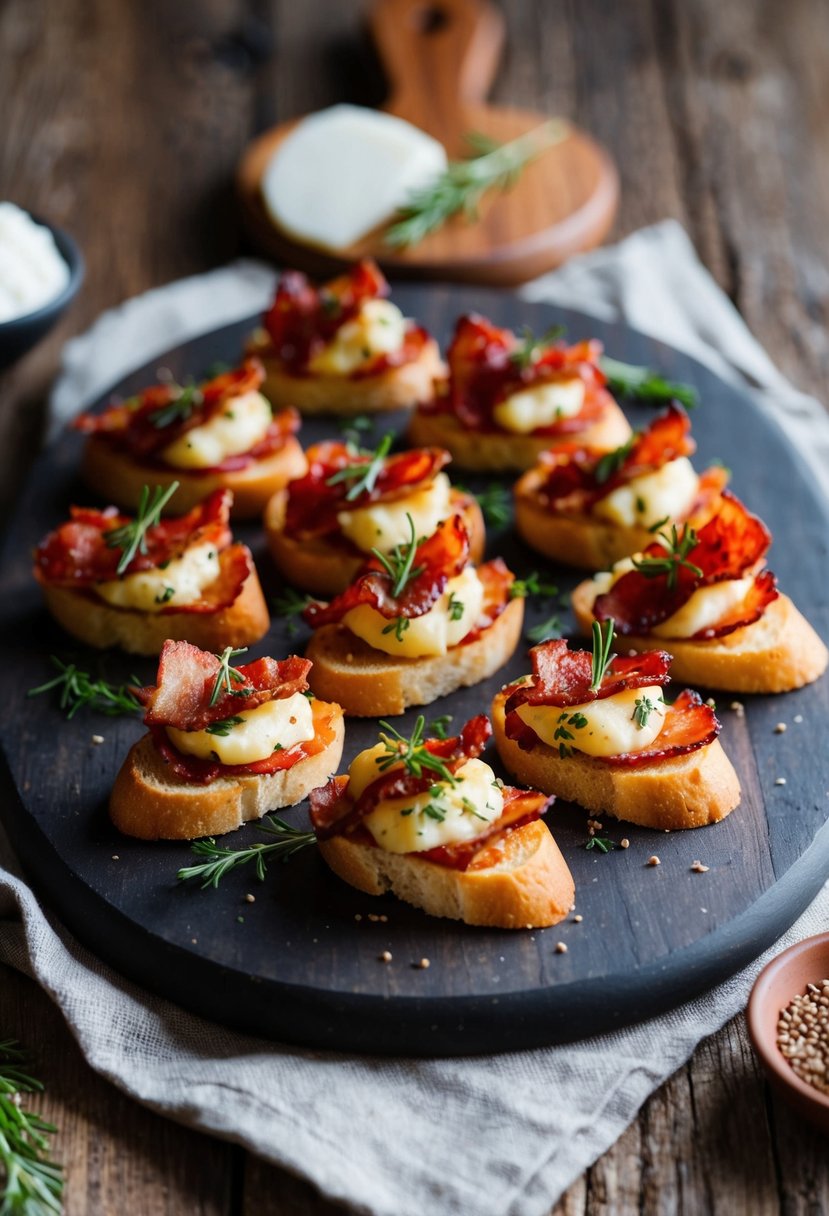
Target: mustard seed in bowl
(803, 1035)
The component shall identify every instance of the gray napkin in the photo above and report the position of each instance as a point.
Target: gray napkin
(495, 1136)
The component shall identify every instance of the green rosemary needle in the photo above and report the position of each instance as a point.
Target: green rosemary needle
(131, 538)
(603, 638)
(644, 384)
(289, 840)
(78, 690)
(30, 1183)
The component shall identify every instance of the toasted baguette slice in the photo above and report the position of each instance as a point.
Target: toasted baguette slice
(96, 623)
(327, 569)
(150, 802)
(687, 791)
(578, 540)
(490, 452)
(119, 479)
(529, 888)
(778, 653)
(369, 684)
(395, 388)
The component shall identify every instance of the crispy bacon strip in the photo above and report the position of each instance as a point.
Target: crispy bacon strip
(689, 724)
(136, 426)
(196, 771)
(235, 568)
(496, 580)
(333, 813)
(482, 373)
(187, 676)
(76, 553)
(729, 545)
(441, 557)
(520, 808)
(572, 482)
(313, 503)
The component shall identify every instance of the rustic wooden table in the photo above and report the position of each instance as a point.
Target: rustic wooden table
(123, 121)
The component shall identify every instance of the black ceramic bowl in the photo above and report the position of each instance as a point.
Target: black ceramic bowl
(19, 334)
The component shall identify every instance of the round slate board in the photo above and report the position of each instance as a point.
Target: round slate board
(301, 962)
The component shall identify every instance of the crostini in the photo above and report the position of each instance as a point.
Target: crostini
(706, 596)
(112, 580)
(221, 434)
(590, 508)
(595, 729)
(415, 625)
(428, 820)
(325, 525)
(343, 348)
(507, 399)
(226, 745)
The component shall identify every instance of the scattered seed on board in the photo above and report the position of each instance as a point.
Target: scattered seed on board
(422, 964)
(803, 1035)
(578, 919)
(780, 781)
(739, 708)
(561, 947)
(699, 868)
(653, 861)
(97, 739)
(798, 718)
(385, 957)
(780, 728)
(624, 843)
(250, 898)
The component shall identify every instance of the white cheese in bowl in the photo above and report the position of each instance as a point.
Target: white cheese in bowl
(32, 271)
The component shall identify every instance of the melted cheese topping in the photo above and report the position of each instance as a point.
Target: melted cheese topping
(445, 814)
(540, 406)
(600, 728)
(385, 525)
(378, 329)
(240, 426)
(271, 726)
(667, 493)
(703, 610)
(430, 634)
(182, 581)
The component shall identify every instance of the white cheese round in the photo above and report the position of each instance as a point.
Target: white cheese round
(182, 581)
(541, 405)
(609, 727)
(448, 623)
(385, 525)
(345, 170)
(32, 271)
(240, 426)
(667, 493)
(275, 724)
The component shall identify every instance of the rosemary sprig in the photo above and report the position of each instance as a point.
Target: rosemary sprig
(603, 638)
(30, 1183)
(463, 183)
(187, 398)
(363, 476)
(412, 753)
(644, 384)
(531, 348)
(399, 562)
(289, 840)
(78, 690)
(676, 549)
(603, 843)
(522, 588)
(495, 502)
(131, 538)
(226, 675)
(289, 605)
(611, 462)
(550, 628)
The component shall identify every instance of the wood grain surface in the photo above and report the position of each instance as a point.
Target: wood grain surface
(123, 122)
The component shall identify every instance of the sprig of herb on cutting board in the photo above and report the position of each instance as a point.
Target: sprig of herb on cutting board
(288, 841)
(78, 690)
(30, 1183)
(631, 381)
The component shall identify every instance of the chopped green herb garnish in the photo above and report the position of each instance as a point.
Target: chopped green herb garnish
(456, 608)
(188, 398)
(496, 504)
(398, 627)
(411, 752)
(603, 843)
(611, 462)
(676, 549)
(642, 711)
(563, 735)
(551, 628)
(78, 690)
(438, 727)
(531, 348)
(521, 588)
(165, 596)
(131, 538)
(291, 604)
(224, 727)
(643, 384)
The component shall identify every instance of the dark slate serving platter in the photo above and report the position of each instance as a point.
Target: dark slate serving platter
(298, 964)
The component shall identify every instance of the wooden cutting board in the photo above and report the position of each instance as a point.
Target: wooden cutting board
(301, 963)
(440, 60)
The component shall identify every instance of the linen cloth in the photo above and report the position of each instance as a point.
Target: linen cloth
(494, 1136)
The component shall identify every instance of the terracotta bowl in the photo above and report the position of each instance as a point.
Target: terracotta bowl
(776, 985)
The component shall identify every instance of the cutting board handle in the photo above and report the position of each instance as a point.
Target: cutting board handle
(438, 56)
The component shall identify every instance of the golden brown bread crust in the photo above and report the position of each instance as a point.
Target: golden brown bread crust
(119, 479)
(369, 684)
(151, 803)
(395, 388)
(530, 888)
(325, 569)
(96, 623)
(488, 452)
(778, 653)
(688, 791)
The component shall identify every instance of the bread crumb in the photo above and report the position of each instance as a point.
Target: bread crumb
(699, 868)
(624, 843)
(739, 708)
(250, 898)
(561, 947)
(572, 907)
(780, 728)
(385, 957)
(653, 861)
(780, 781)
(578, 918)
(194, 940)
(798, 718)
(422, 964)
(97, 739)
(116, 857)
